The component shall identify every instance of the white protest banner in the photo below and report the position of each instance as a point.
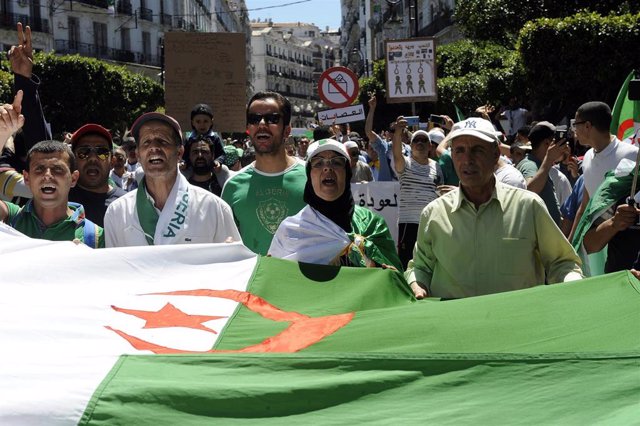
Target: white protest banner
(342, 115)
(382, 198)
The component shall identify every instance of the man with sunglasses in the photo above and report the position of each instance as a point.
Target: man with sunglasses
(92, 145)
(271, 188)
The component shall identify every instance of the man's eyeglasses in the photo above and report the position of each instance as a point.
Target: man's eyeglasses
(354, 154)
(420, 140)
(333, 162)
(85, 152)
(272, 118)
(576, 123)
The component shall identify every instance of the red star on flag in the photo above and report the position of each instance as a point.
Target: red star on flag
(170, 316)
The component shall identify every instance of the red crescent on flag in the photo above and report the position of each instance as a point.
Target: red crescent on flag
(623, 127)
(303, 331)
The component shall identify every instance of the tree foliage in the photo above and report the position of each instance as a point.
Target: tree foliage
(577, 59)
(500, 21)
(471, 74)
(75, 90)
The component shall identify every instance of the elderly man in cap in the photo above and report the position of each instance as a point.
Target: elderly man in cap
(166, 209)
(538, 166)
(92, 145)
(486, 237)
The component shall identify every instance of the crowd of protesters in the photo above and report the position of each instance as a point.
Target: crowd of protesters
(486, 204)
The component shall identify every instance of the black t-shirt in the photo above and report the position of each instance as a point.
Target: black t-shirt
(95, 204)
(210, 185)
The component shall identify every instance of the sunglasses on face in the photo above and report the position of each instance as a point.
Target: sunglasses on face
(272, 118)
(333, 162)
(84, 152)
(420, 140)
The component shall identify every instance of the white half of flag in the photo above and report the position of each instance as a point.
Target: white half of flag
(56, 352)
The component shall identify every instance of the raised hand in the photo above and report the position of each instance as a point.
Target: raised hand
(21, 55)
(11, 119)
(372, 100)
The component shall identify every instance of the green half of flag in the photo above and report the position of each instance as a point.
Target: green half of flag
(561, 354)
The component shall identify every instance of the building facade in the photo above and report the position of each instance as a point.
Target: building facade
(289, 58)
(125, 31)
(366, 24)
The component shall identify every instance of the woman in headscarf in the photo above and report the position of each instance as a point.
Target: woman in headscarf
(331, 229)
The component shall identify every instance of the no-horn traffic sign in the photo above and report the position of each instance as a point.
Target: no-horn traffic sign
(338, 87)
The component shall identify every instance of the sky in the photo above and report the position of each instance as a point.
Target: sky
(318, 12)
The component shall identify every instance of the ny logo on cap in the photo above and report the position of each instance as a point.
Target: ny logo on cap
(470, 124)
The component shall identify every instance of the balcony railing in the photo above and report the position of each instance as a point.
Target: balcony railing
(145, 14)
(104, 4)
(179, 23)
(165, 19)
(67, 47)
(10, 20)
(124, 8)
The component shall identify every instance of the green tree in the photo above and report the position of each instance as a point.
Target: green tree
(500, 21)
(75, 90)
(589, 59)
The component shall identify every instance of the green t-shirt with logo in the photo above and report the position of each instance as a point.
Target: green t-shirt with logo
(24, 219)
(260, 201)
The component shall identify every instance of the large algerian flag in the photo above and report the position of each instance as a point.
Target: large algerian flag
(626, 114)
(197, 334)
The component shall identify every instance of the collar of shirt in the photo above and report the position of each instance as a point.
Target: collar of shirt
(498, 194)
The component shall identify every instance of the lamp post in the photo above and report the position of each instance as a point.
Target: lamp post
(357, 62)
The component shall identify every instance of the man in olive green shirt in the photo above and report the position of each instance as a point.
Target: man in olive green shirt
(486, 237)
(50, 173)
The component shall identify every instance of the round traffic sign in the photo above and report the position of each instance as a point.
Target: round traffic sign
(338, 87)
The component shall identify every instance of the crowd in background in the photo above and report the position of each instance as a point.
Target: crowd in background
(488, 203)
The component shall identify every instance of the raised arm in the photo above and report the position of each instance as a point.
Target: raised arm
(554, 153)
(368, 124)
(11, 118)
(21, 59)
(398, 158)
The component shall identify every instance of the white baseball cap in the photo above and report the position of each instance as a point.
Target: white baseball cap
(326, 145)
(474, 126)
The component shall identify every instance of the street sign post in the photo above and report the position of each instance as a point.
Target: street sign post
(338, 87)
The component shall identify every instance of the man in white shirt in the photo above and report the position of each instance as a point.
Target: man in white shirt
(166, 209)
(591, 127)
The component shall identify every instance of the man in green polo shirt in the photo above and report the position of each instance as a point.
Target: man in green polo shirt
(485, 236)
(50, 173)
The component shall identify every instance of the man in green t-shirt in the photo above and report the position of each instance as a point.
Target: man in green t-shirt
(271, 188)
(50, 174)
(536, 168)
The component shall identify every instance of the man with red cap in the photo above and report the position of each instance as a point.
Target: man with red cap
(166, 208)
(92, 145)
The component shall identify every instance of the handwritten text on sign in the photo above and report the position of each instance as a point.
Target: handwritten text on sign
(382, 198)
(342, 115)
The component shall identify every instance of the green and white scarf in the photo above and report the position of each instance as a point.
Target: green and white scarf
(168, 226)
